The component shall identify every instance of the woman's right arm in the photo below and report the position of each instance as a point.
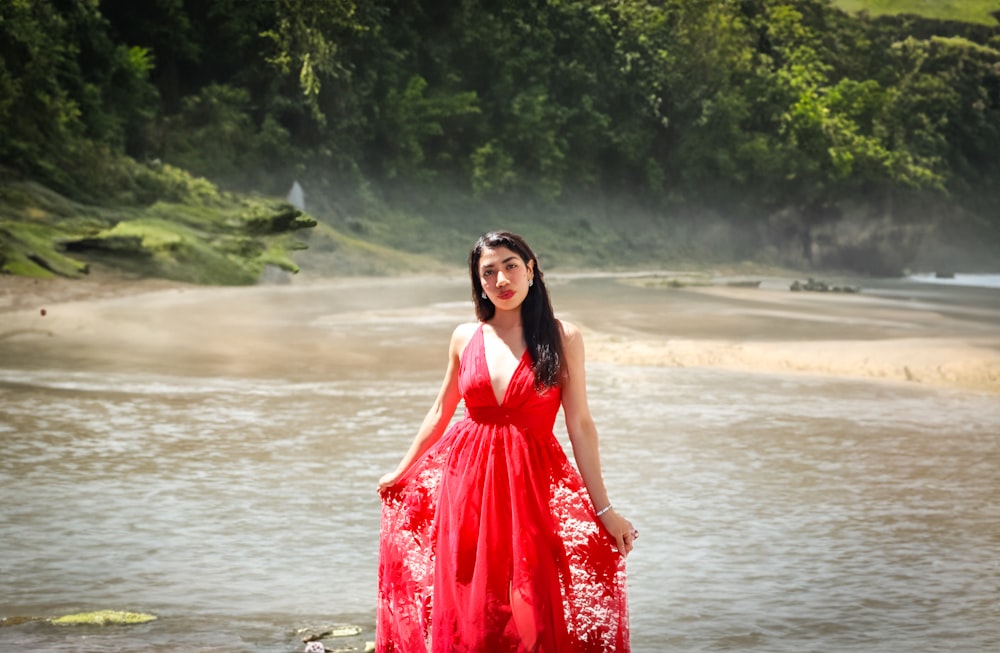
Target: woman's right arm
(441, 412)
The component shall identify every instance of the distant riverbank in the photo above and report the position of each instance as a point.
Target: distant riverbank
(893, 330)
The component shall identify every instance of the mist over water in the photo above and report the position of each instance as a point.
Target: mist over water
(982, 280)
(777, 512)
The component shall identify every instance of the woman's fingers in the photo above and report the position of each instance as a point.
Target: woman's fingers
(627, 538)
(386, 482)
(622, 530)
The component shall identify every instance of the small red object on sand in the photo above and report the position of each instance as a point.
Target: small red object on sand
(43, 312)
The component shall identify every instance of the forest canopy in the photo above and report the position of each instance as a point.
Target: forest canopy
(821, 136)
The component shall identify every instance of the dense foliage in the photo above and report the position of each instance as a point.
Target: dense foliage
(789, 119)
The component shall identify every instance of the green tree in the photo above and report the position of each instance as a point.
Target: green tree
(945, 107)
(72, 96)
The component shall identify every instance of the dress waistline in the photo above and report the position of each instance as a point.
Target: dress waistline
(504, 416)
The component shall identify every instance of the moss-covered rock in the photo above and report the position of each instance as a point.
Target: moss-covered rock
(33, 249)
(201, 235)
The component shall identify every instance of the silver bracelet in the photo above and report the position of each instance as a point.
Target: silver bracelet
(603, 510)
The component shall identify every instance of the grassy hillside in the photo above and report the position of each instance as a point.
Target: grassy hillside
(969, 11)
(195, 232)
(202, 235)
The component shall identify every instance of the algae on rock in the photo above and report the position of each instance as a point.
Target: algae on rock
(103, 618)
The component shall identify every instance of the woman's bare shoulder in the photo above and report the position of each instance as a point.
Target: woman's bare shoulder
(570, 332)
(461, 336)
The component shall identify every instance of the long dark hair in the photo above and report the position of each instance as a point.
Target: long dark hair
(541, 330)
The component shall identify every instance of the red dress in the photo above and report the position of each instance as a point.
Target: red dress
(490, 543)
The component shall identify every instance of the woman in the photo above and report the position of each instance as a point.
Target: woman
(491, 540)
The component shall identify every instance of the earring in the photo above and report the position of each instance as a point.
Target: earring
(484, 294)
(531, 282)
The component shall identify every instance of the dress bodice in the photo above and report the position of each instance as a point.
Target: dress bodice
(523, 406)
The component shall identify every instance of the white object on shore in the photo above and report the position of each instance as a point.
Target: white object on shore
(297, 197)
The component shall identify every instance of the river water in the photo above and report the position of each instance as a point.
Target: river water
(778, 513)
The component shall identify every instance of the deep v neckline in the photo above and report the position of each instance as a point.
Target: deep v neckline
(499, 399)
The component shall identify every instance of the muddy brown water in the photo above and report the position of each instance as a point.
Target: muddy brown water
(211, 457)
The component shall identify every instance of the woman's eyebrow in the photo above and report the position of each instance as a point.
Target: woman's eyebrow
(509, 258)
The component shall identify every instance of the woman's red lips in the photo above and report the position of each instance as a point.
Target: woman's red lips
(507, 294)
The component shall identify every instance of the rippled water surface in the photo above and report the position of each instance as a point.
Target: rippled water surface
(777, 513)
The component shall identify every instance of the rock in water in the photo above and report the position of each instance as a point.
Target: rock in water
(104, 618)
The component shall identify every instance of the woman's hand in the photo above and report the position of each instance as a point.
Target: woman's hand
(621, 529)
(387, 481)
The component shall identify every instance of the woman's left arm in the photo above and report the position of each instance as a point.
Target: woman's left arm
(583, 436)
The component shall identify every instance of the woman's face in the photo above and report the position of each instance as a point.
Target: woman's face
(504, 276)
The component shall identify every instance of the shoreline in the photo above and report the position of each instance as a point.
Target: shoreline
(956, 365)
(314, 326)
(25, 293)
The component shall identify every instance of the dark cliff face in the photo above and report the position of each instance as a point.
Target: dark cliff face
(886, 238)
(887, 247)
(875, 248)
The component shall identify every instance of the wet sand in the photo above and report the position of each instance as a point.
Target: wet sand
(895, 331)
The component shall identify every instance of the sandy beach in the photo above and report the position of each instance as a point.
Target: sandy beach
(945, 337)
(866, 336)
